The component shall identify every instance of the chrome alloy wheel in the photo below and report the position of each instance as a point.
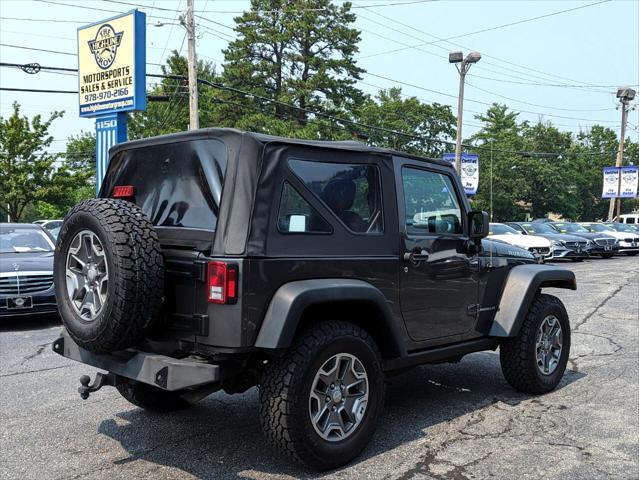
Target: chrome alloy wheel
(87, 275)
(339, 395)
(548, 345)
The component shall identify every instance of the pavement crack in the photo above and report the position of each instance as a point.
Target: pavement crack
(34, 371)
(39, 351)
(599, 306)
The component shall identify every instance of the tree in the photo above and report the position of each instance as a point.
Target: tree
(551, 178)
(500, 139)
(28, 171)
(299, 53)
(416, 120)
(172, 115)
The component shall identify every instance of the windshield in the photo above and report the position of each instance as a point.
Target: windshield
(501, 229)
(24, 240)
(620, 227)
(598, 227)
(570, 228)
(538, 228)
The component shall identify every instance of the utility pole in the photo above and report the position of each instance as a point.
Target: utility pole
(625, 96)
(457, 57)
(188, 23)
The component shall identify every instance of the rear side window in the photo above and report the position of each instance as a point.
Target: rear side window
(352, 192)
(176, 184)
(296, 215)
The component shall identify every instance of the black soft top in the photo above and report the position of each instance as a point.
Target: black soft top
(250, 155)
(234, 136)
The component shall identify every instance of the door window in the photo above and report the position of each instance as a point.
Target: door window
(352, 192)
(431, 205)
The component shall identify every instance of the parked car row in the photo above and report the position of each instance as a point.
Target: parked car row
(549, 240)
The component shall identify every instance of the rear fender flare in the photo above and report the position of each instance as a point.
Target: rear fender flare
(521, 286)
(291, 300)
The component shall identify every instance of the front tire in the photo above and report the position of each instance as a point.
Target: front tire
(320, 402)
(607, 255)
(535, 360)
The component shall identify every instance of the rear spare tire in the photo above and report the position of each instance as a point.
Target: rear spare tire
(109, 274)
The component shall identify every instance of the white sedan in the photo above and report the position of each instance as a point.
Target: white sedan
(538, 246)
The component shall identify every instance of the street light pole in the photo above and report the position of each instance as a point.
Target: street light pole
(625, 96)
(189, 24)
(463, 67)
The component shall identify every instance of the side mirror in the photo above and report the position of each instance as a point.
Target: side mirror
(478, 224)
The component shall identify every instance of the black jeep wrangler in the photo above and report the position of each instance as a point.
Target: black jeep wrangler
(219, 259)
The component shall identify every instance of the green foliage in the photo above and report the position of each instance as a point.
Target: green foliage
(411, 117)
(172, 114)
(564, 176)
(28, 174)
(299, 53)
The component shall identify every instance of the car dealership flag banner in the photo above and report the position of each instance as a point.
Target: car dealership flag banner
(610, 182)
(629, 180)
(469, 170)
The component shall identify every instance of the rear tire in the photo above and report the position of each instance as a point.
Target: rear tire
(109, 274)
(151, 398)
(305, 424)
(522, 357)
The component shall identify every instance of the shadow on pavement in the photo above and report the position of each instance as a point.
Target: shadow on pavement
(29, 322)
(221, 438)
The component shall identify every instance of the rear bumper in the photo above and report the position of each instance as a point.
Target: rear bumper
(157, 370)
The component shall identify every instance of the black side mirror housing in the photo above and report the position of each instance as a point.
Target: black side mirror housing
(478, 225)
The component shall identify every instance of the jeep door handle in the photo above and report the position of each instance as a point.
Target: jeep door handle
(416, 256)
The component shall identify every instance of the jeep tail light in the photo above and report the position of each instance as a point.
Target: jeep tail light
(222, 282)
(126, 192)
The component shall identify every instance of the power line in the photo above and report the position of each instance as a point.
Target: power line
(342, 121)
(440, 39)
(38, 49)
(490, 28)
(540, 106)
(485, 103)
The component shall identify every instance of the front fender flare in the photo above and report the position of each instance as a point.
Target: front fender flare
(291, 299)
(521, 286)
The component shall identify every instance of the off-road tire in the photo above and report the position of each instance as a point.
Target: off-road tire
(150, 398)
(285, 388)
(518, 354)
(136, 274)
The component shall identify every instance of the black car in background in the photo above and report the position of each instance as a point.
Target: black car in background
(603, 245)
(563, 245)
(26, 271)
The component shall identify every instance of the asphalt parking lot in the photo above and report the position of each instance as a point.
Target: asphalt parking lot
(450, 421)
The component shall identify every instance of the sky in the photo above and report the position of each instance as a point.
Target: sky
(563, 67)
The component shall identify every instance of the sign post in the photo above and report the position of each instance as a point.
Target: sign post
(112, 79)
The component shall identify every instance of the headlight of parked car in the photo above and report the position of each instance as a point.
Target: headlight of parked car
(557, 243)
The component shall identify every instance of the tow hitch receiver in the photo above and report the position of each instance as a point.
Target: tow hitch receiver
(101, 380)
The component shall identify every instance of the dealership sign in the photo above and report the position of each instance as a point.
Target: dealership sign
(620, 182)
(469, 170)
(112, 65)
(629, 180)
(610, 182)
